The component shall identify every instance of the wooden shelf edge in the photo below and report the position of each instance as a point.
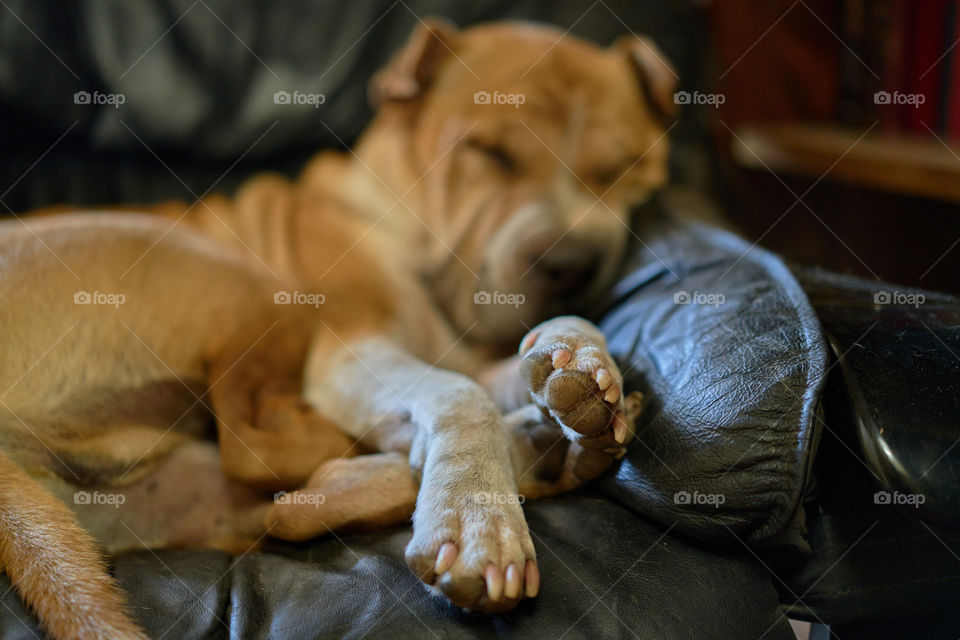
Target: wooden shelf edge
(888, 162)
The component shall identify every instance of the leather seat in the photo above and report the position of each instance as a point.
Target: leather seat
(607, 574)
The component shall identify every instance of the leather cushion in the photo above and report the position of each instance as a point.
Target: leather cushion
(724, 343)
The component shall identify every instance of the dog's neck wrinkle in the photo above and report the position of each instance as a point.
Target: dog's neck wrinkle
(387, 167)
(366, 203)
(384, 168)
(576, 124)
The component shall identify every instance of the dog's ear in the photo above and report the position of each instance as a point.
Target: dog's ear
(655, 74)
(412, 68)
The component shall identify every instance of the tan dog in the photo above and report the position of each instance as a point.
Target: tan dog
(372, 306)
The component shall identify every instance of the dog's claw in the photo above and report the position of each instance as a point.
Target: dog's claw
(612, 394)
(528, 341)
(560, 358)
(620, 428)
(494, 581)
(512, 584)
(445, 558)
(604, 379)
(532, 579)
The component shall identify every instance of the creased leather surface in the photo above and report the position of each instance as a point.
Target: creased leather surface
(606, 574)
(732, 383)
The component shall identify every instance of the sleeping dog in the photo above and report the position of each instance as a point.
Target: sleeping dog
(211, 375)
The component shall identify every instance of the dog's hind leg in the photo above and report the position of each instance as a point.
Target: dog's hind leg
(54, 563)
(355, 494)
(545, 462)
(269, 437)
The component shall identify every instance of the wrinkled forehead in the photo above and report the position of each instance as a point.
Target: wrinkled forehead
(553, 71)
(543, 88)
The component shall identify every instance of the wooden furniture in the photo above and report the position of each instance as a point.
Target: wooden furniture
(928, 167)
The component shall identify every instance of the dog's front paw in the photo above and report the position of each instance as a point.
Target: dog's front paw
(474, 548)
(574, 380)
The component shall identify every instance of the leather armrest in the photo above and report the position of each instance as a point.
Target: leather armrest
(898, 352)
(890, 411)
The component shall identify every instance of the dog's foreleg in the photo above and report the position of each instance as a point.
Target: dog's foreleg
(470, 538)
(54, 564)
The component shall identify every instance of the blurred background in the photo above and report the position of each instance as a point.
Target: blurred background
(826, 130)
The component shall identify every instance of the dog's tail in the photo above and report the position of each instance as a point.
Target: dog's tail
(55, 565)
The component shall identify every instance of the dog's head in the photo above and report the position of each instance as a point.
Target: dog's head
(524, 151)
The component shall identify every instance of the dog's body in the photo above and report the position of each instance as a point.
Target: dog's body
(352, 289)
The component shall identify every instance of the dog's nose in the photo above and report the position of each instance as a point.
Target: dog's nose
(569, 270)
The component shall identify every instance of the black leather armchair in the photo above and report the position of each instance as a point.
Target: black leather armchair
(724, 515)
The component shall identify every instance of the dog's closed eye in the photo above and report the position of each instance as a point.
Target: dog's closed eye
(494, 152)
(611, 174)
